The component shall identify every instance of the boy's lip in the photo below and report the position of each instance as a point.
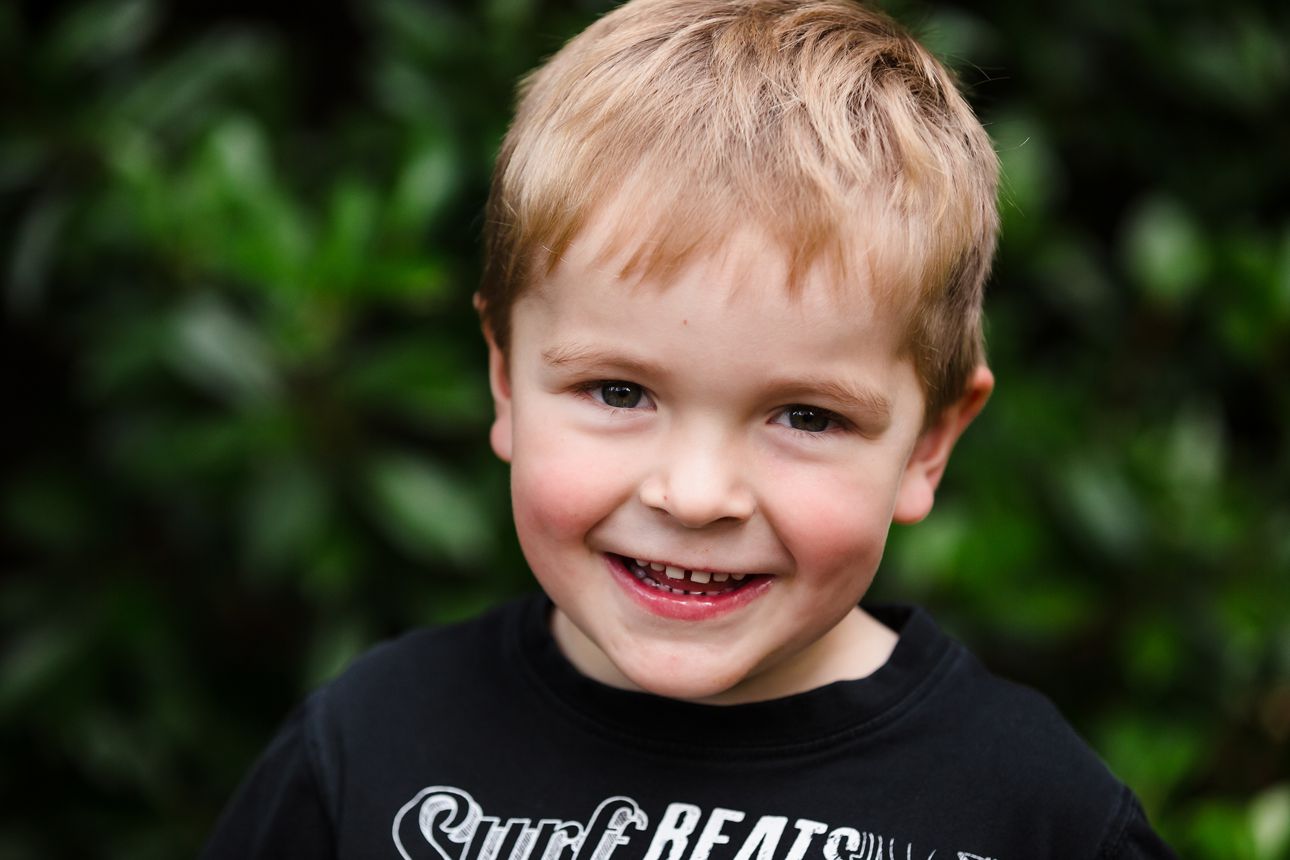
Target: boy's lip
(691, 601)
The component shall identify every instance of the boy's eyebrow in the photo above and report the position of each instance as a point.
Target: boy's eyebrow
(563, 355)
(845, 397)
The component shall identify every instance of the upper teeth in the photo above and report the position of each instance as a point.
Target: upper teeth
(699, 576)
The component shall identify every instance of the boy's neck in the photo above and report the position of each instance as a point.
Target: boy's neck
(855, 648)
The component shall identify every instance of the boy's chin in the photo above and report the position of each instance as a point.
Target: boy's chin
(688, 670)
(700, 689)
(697, 680)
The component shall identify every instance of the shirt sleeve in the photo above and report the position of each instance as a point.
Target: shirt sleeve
(1134, 839)
(279, 810)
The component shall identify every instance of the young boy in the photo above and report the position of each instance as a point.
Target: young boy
(735, 258)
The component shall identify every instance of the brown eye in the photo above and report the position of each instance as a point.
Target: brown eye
(809, 419)
(621, 395)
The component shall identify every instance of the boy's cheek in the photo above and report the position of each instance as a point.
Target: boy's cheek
(558, 498)
(832, 524)
(835, 541)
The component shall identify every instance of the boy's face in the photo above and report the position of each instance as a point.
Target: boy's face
(712, 424)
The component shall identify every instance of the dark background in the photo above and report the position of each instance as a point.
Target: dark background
(245, 404)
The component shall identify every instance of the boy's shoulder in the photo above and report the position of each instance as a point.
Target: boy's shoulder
(976, 720)
(970, 701)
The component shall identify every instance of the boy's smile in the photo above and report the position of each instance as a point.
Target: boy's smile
(704, 471)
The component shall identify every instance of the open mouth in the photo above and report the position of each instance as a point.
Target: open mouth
(681, 581)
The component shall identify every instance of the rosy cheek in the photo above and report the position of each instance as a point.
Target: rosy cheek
(837, 542)
(562, 498)
(831, 525)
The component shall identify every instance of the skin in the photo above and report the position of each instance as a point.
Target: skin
(714, 422)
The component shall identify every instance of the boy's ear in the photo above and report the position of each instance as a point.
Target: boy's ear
(932, 450)
(499, 383)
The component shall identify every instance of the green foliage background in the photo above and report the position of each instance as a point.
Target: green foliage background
(247, 410)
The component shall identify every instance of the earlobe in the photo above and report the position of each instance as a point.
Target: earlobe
(500, 384)
(931, 452)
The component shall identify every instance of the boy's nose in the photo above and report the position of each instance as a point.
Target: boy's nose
(700, 485)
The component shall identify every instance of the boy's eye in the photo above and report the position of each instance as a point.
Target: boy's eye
(620, 395)
(809, 418)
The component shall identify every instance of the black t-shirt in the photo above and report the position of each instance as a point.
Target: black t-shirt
(481, 742)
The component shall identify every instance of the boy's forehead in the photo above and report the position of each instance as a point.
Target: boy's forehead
(618, 246)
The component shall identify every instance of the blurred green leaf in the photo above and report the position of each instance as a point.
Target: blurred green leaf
(264, 234)
(1240, 62)
(1150, 752)
(286, 514)
(1270, 822)
(422, 379)
(36, 662)
(927, 555)
(1165, 251)
(1196, 451)
(1104, 505)
(347, 239)
(429, 178)
(1043, 609)
(957, 38)
(1075, 278)
(103, 32)
(1152, 653)
(1032, 177)
(128, 352)
(1219, 830)
(405, 90)
(429, 512)
(424, 31)
(174, 97)
(34, 244)
(335, 567)
(221, 352)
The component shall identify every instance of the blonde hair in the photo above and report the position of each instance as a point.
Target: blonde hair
(820, 121)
